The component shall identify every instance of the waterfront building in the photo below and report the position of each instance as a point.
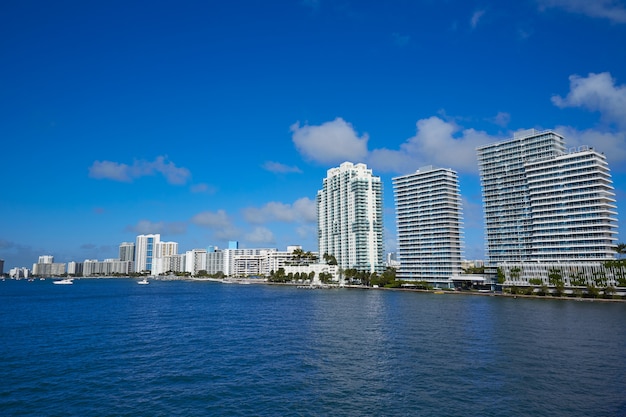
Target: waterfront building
(350, 218)
(168, 263)
(127, 251)
(46, 259)
(429, 225)
(214, 261)
(195, 260)
(107, 268)
(75, 268)
(544, 203)
(48, 269)
(572, 207)
(144, 251)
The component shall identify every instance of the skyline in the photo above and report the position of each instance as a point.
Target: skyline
(208, 123)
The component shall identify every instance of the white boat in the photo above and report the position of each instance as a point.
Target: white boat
(67, 281)
(143, 281)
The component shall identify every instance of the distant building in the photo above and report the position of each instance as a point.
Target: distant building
(145, 246)
(429, 225)
(350, 218)
(195, 260)
(127, 251)
(46, 259)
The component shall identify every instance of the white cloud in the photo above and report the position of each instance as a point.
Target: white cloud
(613, 10)
(596, 92)
(302, 211)
(109, 170)
(278, 168)
(218, 222)
(260, 235)
(147, 227)
(612, 144)
(478, 14)
(217, 219)
(501, 119)
(126, 173)
(330, 143)
(202, 188)
(437, 143)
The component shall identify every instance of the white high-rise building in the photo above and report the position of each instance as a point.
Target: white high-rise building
(46, 259)
(350, 218)
(144, 251)
(127, 251)
(195, 260)
(572, 207)
(429, 221)
(542, 203)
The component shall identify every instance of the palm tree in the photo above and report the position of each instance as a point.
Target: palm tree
(621, 250)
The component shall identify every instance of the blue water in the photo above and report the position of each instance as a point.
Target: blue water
(110, 347)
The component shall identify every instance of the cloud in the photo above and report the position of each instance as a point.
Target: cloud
(596, 92)
(279, 168)
(109, 170)
(127, 173)
(203, 188)
(329, 143)
(436, 142)
(501, 119)
(144, 227)
(302, 210)
(218, 222)
(612, 144)
(260, 235)
(478, 14)
(613, 10)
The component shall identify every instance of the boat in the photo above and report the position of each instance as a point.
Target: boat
(143, 281)
(67, 281)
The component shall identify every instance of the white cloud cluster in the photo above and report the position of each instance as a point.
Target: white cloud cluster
(218, 222)
(331, 142)
(127, 173)
(476, 16)
(596, 92)
(301, 211)
(613, 10)
(278, 168)
(437, 142)
(168, 228)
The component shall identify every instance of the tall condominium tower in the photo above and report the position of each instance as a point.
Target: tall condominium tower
(429, 218)
(543, 203)
(145, 251)
(350, 218)
(572, 207)
(127, 251)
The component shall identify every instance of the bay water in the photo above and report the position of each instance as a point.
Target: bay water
(110, 347)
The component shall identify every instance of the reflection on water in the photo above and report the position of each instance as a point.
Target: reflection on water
(111, 347)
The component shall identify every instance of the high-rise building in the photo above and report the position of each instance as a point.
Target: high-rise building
(127, 251)
(572, 207)
(46, 259)
(350, 218)
(429, 224)
(144, 251)
(543, 203)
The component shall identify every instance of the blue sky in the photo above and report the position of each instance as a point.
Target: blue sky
(212, 121)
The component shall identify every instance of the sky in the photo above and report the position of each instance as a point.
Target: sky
(209, 121)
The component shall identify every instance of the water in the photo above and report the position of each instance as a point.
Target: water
(115, 348)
